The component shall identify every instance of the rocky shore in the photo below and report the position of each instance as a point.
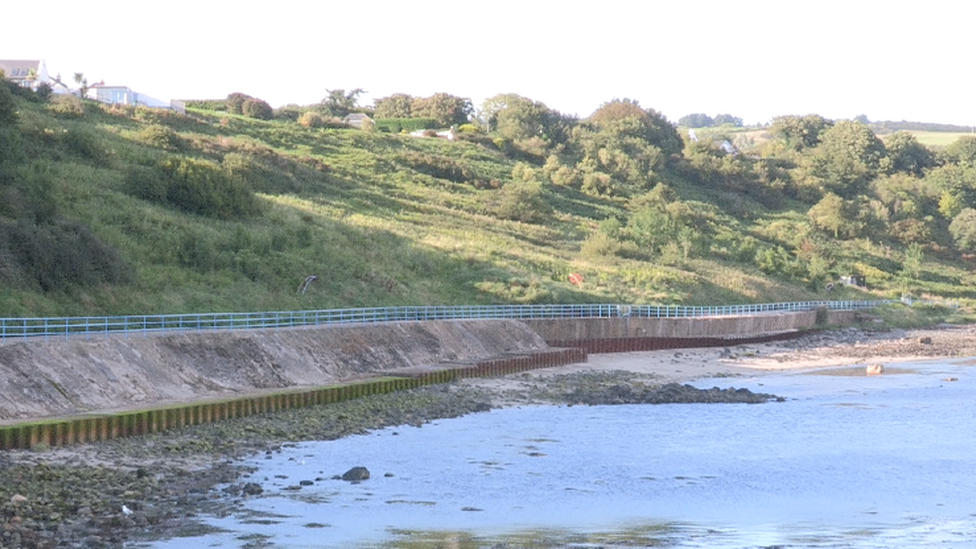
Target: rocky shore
(155, 487)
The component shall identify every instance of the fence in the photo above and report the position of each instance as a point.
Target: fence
(142, 324)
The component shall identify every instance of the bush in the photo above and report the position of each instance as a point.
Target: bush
(311, 119)
(599, 245)
(194, 186)
(207, 104)
(84, 145)
(256, 108)
(60, 253)
(235, 102)
(67, 106)
(397, 125)
(441, 167)
(8, 108)
(160, 137)
(521, 201)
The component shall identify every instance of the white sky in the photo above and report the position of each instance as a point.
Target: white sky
(756, 59)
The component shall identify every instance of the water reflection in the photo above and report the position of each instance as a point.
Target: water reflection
(847, 461)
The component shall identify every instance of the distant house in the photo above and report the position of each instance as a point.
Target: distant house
(26, 73)
(122, 95)
(355, 119)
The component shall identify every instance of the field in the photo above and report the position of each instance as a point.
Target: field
(937, 139)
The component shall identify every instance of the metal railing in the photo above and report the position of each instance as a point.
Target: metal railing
(136, 324)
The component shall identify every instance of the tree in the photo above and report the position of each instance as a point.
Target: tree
(963, 229)
(398, 105)
(653, 126)
(847, 158)
(339, 103)
(963, 150)
(914, 259)
(696, 120)
(444, 108)
(722, 119)
(907, 154)
(799, 132)
(830, 214)
(82, 82)
(956, 185)
(515, 118)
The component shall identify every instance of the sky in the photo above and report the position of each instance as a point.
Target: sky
(754, 59)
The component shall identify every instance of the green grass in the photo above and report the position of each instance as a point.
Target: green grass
(363, 213)
(938, 139)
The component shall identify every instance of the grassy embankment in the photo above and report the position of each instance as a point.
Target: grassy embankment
(381, 219)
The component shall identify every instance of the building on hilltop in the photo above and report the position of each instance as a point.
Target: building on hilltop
(356, 119)
(28, 73)
(122, 95)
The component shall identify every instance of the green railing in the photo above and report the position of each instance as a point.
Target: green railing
(64, 327)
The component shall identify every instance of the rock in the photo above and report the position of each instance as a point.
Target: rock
(925, 340)
(671, 393)
(17, 500)
(252, 489)
(874, 369)
(356, 473)
(306, 483)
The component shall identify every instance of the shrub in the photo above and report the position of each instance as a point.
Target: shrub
(438, 166)
(397, 125)
(44, 92)
(521, 201)
(599, 245)
(84, 145)
(8, 109)
(61, 253)
(194, 186)
(235, 102)
(160, 137)
(256, 108)
(207, 104)
(118, 109)
(311, 119)
(67, 106)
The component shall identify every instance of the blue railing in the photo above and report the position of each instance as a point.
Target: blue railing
(104, 325)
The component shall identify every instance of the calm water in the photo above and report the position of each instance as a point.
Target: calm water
(887, 461)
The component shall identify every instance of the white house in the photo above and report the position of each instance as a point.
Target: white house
(29, 73)
(122, 95)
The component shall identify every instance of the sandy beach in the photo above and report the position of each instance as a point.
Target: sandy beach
(854, 348)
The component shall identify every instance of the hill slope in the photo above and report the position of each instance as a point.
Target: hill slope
(124, 211)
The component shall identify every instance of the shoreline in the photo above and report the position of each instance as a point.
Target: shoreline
(77, 493)
(843, 348)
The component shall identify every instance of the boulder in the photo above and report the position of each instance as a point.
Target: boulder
(356, 473)
(252, 489)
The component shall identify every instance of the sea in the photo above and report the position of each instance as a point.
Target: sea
(846, 461)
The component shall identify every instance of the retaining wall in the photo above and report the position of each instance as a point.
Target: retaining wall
(730, 327)
(63, 377)
(120, 386)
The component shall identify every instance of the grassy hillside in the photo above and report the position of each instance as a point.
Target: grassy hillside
(216, 212)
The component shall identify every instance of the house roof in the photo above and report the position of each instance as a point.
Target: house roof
(18, 69)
